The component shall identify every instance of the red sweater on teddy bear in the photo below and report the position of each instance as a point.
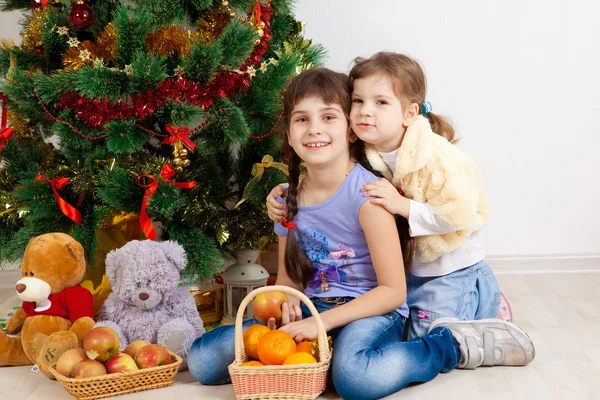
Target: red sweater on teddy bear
(72, 303)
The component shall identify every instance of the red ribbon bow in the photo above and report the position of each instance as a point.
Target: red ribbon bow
(57, 184)
(180, 133)
(5, 134)
(166, 173)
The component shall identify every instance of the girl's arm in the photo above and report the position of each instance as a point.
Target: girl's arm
(386, 254)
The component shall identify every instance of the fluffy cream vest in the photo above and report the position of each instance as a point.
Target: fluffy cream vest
(431, 170)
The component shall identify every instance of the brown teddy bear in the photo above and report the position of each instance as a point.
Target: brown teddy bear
(57, 312)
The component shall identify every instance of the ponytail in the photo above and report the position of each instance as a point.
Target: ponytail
(442, 127)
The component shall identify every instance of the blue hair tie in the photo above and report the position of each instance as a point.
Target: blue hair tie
(426, 108)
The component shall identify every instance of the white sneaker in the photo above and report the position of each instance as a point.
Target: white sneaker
(489, 342)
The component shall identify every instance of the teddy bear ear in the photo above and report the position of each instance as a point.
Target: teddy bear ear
(175, 253)
(111, 265)
(76, 250)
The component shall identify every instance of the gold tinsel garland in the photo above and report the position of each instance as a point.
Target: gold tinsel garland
(77, 57)
(212, 24)
(171, 40)
(21, 127)
(105, 43)
(32, 34)
(87, 51)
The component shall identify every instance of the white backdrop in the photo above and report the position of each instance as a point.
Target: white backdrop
(519, 78)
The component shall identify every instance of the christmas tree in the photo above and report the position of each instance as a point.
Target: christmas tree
(166, 109)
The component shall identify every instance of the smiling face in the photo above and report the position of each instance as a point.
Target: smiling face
(377, 115)
(318, 132)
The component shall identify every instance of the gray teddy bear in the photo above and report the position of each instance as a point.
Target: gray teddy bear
(145, 303)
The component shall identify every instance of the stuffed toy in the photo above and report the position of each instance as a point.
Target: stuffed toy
(57, 312)
(146, 303)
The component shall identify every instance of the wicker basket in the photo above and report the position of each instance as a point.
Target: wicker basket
(109, 385)
(293, 382)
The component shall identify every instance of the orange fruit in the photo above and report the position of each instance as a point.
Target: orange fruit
(304, 347)
(252, 363)
(275, 346)
(251, 337)
(299, 358)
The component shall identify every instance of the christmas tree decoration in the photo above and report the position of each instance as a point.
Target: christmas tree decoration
(35, 4)
(103, 95)
(171, 40)
(258, 170)
(81, 15)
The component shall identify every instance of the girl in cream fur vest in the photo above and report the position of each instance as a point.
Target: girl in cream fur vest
(433, 187)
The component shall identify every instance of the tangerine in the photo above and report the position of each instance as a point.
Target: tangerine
(275, 346)
(251, 337)
(299, 358)
(252, 363)
(304, 347)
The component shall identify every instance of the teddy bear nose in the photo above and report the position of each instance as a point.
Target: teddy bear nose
(21, 288)
(142, 296)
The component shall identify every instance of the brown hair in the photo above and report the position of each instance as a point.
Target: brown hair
(333, 88)
(409, 83)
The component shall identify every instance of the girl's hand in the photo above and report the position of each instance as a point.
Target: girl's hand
(276, 209)
(301, 330)
(289, 313)
(388, 196)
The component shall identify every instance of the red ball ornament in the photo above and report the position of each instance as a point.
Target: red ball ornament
(38, 3)
(81, 16)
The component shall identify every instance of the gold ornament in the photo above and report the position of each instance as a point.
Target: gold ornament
(260, 33)
(225, 4)
(178, 169)
(177, 161)
(171, 40)
(183, 153)
(186, 163)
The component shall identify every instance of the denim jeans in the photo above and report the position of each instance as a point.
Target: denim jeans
(467, 294)
(370, 360)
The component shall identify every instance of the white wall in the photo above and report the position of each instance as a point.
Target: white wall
(520, 79)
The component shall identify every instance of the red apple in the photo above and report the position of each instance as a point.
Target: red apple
(68, 359)
(152, 355)
(268, 305)
(133, 347)
(87, 369)
(101, 343)
(120, 363)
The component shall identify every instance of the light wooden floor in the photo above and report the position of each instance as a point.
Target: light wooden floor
(560, 311)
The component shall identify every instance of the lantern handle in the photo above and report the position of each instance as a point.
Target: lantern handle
(240, 354)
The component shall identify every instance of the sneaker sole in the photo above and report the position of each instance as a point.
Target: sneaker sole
(529, 356)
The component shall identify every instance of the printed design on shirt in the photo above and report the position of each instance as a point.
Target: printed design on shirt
(321, 276)
(314, 244)
(344, 254)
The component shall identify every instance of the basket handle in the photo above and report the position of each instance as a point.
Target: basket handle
(321, 333)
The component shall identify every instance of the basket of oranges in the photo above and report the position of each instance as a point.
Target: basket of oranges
(285, 373)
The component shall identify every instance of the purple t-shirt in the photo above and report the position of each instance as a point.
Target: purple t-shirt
(331, 237)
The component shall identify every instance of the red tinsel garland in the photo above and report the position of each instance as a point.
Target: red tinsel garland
(95, 113)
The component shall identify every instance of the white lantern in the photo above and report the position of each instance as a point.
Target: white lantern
(240, 279)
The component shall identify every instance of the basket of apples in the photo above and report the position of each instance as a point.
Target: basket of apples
(100, 370)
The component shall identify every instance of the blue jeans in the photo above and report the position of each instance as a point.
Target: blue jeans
(467, 294)
(370, 360)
